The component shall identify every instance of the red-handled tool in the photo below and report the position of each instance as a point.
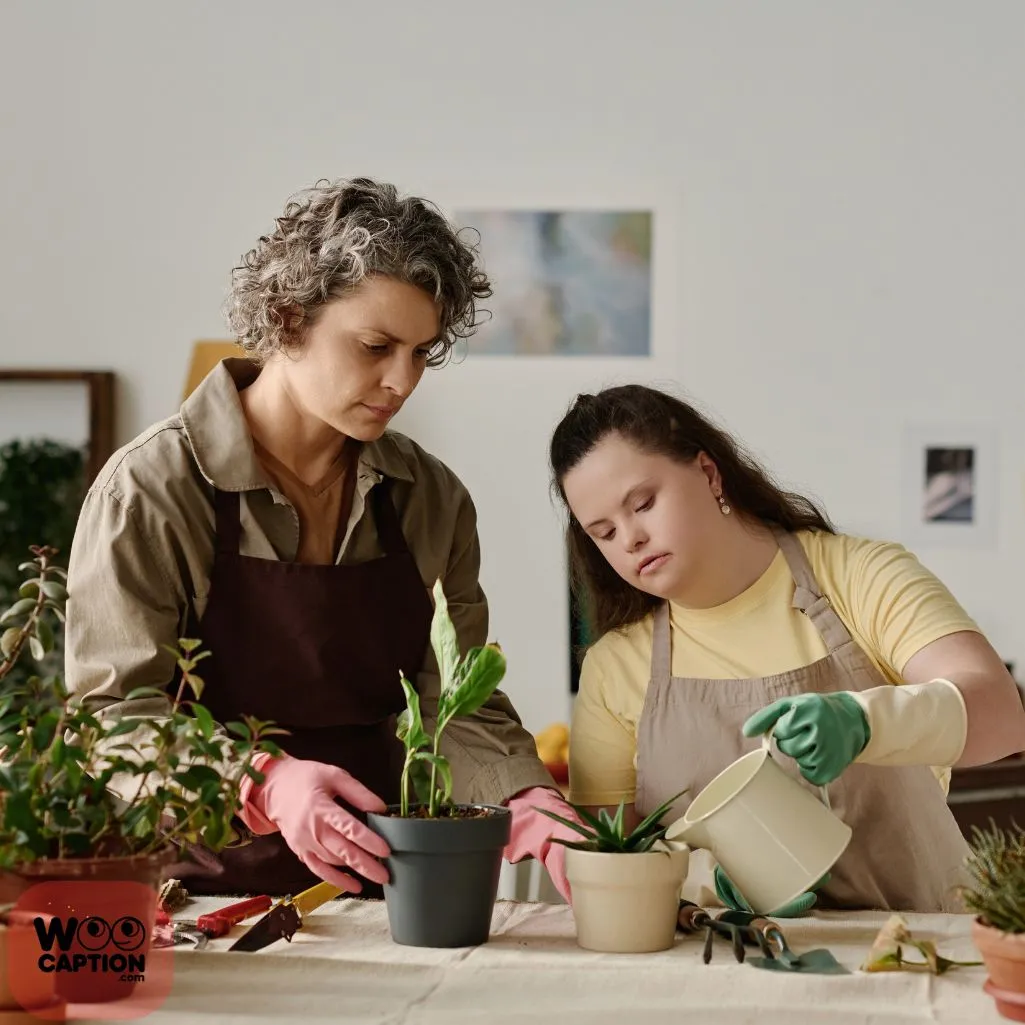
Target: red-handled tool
(219, 923)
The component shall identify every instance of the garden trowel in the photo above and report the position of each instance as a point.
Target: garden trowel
(783, 959)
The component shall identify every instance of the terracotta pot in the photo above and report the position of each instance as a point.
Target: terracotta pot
(36, 990)
(1004, 955)
(108, 890)
(626, 903)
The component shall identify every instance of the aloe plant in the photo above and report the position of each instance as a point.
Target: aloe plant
(467, 681)
(606, 833)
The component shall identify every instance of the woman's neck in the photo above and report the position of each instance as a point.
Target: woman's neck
(735, 561)
(305, 444)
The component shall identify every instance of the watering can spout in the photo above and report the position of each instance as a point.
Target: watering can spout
(691, 834)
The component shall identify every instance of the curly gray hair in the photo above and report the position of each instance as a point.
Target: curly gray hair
(332, 237)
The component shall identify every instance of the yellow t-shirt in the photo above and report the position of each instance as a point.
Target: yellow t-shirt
(892, 605)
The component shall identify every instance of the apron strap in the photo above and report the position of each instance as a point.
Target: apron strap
(228, 521)
(661, 645)
(389, 530)
(808, 596)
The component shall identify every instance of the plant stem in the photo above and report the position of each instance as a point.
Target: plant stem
(8, 663)
(432, 807)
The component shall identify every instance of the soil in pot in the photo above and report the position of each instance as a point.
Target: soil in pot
(626, 903)
(1004, 955)
(443, 873)
(100, 914)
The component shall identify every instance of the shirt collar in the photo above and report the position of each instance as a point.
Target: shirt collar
(217, 430)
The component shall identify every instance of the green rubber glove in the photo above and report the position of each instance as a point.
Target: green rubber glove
(823, 733)
(732, 898)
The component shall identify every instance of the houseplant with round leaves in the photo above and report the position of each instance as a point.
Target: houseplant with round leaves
(92, 800)
(447, 900)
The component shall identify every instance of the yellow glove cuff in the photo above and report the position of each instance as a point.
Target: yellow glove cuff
(914, 724)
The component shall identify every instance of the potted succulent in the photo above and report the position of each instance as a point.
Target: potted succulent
(445, 857)
(624, 905)
(61, 821)
(996, 895)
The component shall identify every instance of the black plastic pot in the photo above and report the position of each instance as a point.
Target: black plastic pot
(444, 875)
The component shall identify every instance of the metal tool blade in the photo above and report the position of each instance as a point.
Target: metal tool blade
(280, 923)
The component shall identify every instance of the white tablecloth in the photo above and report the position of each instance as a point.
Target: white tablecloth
(343, 967)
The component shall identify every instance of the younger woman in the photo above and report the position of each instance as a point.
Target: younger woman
(726, 607)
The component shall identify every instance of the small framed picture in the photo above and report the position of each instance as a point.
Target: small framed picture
(950, 479)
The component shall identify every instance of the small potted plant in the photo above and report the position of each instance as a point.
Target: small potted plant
(996, 895)
(624, 905)
(60, 818)
(445, 857)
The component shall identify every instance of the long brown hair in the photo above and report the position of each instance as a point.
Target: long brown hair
(658, 423)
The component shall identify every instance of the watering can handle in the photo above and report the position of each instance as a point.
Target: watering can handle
(767, 747)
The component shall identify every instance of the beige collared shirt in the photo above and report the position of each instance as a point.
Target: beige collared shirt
(144, 547)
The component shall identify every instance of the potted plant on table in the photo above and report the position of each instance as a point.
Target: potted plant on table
(445, 857)
(626, 882)
(61, 821)
(996, 894)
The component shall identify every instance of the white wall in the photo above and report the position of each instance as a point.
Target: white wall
(840, 224)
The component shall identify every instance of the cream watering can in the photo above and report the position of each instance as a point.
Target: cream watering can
(772, 836)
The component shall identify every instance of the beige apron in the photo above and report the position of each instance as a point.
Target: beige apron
(906, 853)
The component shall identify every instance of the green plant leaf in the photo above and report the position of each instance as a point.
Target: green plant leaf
(30, 589)
(440, 763)
(444, 640)
(8, 640)
(410, 726)
(45, 635)
(420, 776)
(19, 608)
(145, 692)
(54, 591)
(204, 719)
(36, 648)
(581, 829)
(477, 683)
(650, 823)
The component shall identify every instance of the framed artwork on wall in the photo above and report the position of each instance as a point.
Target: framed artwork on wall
(568, 282)
(950, 478)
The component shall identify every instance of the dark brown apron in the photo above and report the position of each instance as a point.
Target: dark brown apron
(318, 650)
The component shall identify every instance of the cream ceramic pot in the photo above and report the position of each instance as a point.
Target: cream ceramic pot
(772, 836)
(626, 903)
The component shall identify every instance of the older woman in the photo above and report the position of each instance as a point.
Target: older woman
(278, 519)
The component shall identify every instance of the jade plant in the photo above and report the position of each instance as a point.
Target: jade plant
(606, 833)
(58, 761)
(996, 869)
(467, 681)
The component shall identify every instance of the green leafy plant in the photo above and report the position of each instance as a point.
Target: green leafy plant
(42, 483)
(996, 868)
(606, 833)
(467, 681)
(179, 776)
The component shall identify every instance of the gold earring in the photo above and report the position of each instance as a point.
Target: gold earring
(723, 507)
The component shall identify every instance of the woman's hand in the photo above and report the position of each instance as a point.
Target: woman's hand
(823, 733)
(297, 797)
(533, 833)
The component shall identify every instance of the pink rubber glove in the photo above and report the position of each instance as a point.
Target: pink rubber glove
(298, 798)
(532, 832)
